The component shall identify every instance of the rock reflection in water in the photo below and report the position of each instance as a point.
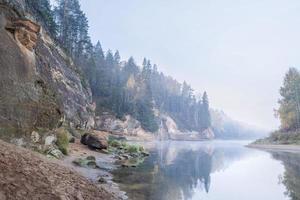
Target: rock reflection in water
(175, 169)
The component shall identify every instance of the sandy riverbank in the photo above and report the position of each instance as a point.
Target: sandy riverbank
(276, 147)
(28, 175)
(106, 163)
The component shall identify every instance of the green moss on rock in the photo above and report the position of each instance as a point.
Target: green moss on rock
(89, 162)
(62, 140)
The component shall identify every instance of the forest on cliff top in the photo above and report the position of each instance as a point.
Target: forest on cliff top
(121, 87)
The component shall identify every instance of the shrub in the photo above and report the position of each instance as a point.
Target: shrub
(133, 149)
(62, 140)
(114, 143)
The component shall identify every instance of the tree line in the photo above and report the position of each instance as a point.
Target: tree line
(121, 87)
(289, 104)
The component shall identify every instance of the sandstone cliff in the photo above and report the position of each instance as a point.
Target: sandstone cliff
(169, 130)
(130, 127)
(39, 85)
(126, 127)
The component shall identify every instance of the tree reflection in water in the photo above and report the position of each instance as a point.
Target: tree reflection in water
(291, 176)
(173, 171)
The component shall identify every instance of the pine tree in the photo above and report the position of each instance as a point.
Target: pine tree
(42, 9)
(117, 58)
(73, 28)
(109, 58)
(130, 68)
(205, 112)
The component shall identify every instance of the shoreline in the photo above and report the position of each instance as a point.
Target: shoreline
(276, 147)
(101, 176)
(30, 175)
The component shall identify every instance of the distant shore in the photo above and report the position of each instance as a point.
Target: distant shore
(276, 147)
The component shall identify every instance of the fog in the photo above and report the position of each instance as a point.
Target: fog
(238, 51)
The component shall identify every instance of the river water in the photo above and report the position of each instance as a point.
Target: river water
(217, 170)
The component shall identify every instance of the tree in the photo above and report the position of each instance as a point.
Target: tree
(206, 119)
(130, 68)
(129, 89)
(109, 58)
(289, 110)
(145, 113)
(98, 52)
(72, 28)
(42, 9)
(117, 58)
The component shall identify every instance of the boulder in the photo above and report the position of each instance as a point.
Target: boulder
(50, 140)
(94, 141)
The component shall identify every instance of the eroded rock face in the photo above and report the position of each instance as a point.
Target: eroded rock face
(39, 85)
(25, 31)
(127, 127)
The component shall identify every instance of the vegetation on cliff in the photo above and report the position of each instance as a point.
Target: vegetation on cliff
(122, 87)
(288, 111)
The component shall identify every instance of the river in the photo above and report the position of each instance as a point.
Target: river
(215, 170)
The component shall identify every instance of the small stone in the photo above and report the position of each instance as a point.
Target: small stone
(35, 137)
(144, 153)
(126, 156)
(102, 180)
(56, 153)
(72, 140)
(91, 158)
(88, 162)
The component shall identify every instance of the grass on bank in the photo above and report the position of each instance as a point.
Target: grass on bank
(124, 147)
(281, 137)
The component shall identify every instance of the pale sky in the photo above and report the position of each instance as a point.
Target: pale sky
(236, 50)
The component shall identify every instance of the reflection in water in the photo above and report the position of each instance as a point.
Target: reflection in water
(291, 176)
(175, 169)
(212, 170)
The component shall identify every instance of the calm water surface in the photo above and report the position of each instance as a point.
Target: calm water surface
(219, 170)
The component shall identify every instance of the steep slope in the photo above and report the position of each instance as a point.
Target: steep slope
(30, 176)
(40, 86)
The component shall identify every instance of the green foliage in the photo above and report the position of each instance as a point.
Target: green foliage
(287, 137)
(42, 9)
(72, 32)
(289, 110)
(114, 143)
(133, 149)
(62, 140)
(127, 148)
